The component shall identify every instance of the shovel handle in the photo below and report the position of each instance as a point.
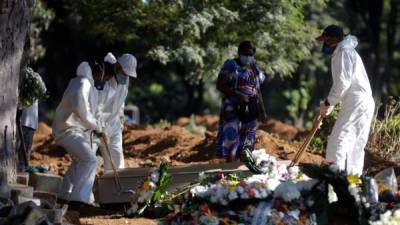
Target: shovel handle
(316, 124)
(116, 177)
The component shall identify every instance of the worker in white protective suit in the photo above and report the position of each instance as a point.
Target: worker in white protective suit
(111, 106)
(351, 87)
(73, 124)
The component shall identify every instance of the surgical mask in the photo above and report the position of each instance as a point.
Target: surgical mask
(99, 85)
(327, 50)
(121, 79)
(246, 60)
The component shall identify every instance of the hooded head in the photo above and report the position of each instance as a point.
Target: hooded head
(110, 58)
(128, 64)
(84, 70)
(349, 42)
(109, 66)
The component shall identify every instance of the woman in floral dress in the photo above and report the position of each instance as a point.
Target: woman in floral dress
(239, 81)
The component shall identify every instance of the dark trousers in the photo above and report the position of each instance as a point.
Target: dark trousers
(25, 154)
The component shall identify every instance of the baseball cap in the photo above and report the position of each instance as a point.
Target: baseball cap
(331, 31)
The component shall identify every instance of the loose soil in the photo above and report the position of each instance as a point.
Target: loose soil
(146, 146)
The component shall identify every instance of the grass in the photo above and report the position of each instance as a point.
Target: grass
(384, 140)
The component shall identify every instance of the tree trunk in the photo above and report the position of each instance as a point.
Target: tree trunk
(14, 21)
(391, 42)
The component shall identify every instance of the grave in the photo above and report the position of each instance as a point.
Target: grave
(131, 178)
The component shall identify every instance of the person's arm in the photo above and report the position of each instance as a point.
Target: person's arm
(82, 106)
(342, 73)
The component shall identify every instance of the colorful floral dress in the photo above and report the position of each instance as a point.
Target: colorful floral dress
(234, 135)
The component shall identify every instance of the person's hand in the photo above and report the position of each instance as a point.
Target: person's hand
(101, 128)
(242, 97)
(98, 133)
(325, 109)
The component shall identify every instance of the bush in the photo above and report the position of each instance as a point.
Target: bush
(384, 140)
(319, 142)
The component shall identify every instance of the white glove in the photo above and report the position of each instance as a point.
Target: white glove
(101, 126)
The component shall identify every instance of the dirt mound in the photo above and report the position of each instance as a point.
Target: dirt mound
(148, 145)
(283, 130)
(42, 134)
(282, 149)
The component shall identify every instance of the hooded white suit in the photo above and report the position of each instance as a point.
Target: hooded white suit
(351, 87)
(72, 126)
(111, 108)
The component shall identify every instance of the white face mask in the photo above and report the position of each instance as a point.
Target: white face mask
(246, 60)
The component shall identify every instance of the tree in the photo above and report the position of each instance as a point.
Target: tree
(14, 20)
(181, 44)
(376, 24)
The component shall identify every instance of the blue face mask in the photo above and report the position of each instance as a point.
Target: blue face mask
(121, 79)
(327, 50)
(99, 85)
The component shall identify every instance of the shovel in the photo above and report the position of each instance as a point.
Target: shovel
(316, 125)
(116, 176)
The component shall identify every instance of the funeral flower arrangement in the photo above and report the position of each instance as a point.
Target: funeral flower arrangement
(32, 88)
(258, 186)
(152, 190)
(253, 200)
(259, 162)
(375, 200)
(382, 198)
(275, 195)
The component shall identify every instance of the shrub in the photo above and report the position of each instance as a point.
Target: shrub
(384, 140)
(319, 142)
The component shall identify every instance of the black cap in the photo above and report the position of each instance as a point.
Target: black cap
(245, 45)
(331, 31)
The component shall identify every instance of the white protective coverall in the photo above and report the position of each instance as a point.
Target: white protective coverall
(111, 112)
(112, 102)
(74, 120)
(30, 115)
(351, 87)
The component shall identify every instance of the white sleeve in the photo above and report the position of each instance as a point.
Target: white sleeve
(342, 72)
(260, 75)
(82, 106)
(30, 115)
